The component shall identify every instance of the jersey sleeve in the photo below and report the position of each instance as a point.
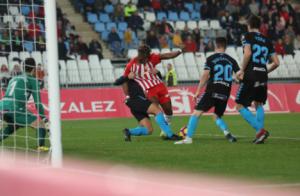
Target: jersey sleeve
(35, 90)
(128, 68)
(155, 58)
(246, 40)
(271, 49)
(208, 65)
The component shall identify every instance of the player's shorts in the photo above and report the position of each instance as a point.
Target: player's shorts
(210, 100)
(139, 107)
(20, 118)
(160, 92)
(251, 91)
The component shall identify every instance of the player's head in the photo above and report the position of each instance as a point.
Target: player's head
(143, 52)
(221, 43)
(29, 65)
(254, 22)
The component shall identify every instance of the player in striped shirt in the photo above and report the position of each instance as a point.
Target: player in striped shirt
(144, 72)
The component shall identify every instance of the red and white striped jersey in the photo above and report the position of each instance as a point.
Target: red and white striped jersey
(143, 72)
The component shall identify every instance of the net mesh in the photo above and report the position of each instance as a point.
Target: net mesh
(22, 35)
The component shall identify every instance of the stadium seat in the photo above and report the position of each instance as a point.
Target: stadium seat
(197, 5)
(72, 72)
(13, 10)
(173, 16)
(96, 70)
(184, 16)
(109, 8)
(189, 59)
(200, 59)
(118, 72)
(23, 55)
(37, 55)
(215, 24)
(193, 72)
(182, 73)
(208, 54)
(25, 9)
(92, 18)
(28, 45)
(8, 19)
(3, 60)
(132, 53)
(155, 50)
(166, 62)
(195, 15)
(189, 7)
(20, 19)
(122, 26)
(84, 71)
(203, 24)
(111, 25)
(179, 61)
(62, 72)
(161, 15)
(13, 56)
(108, 75)
(150, 16)
(192, 25)
(147, 25)
(124, 2)
(121, 34)
(161, 68)
(289, 60)
(179, 25)
(99, 27)
(165, 50)
(221, 33)
(104, 35)
(103, 17)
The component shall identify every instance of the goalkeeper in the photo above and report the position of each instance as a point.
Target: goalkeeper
(13, 105)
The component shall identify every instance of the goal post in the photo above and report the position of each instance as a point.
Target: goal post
(53, 82)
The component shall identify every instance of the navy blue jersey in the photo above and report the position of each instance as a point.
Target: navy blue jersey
(262, 49)
(221, 68)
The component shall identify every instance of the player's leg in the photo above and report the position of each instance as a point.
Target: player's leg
(243, 99)
(160, 120)
(259, 100)
(220, 107)
(204, 104)
(10, 128)
(41, 131)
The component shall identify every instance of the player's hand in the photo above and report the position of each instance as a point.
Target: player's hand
(131, 75)
(240, 75)
(196, 96)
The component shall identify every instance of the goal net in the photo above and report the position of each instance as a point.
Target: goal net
(24, 105)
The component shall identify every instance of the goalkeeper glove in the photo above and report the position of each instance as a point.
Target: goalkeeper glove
(46, 123)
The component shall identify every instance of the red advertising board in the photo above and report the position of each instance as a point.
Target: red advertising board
(95, 103)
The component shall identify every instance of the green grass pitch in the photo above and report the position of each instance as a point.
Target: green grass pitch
(278, 160)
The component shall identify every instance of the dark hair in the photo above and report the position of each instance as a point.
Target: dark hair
(221, 42)
(29, 64)
(254, 22)
(144, 50)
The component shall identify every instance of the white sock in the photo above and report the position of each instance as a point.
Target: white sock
(226, 132)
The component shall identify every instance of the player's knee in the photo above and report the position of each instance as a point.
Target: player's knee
(257, 104)
(216, 116)
(197, 113)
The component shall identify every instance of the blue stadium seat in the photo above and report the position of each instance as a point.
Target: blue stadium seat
(110, 25)
(104, 35)
(197, 6)
(173, 16)
(195, 15)
(184, 16)
(121, 34)
(122, 26)
(28, 46)
(92, 18)
(189, 7)
(109, 8)
(103, 17)
(99, 27)
(161, 15)
(25, 10)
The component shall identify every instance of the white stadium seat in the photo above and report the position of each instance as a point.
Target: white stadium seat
(132, 53)
(189, 59)
(182, 73)
(72, 72)
(203, 24)
(180, 25)
(119, 72)
(37, 55)
(63, 72)
(215, 24)
(84, 71)
(96, 70)
(193, 72)
(150, 16)
(192, 25)
(200, 59)
(3, 60)
(23, 55)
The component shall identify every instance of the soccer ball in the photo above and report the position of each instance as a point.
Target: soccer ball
(183, 131)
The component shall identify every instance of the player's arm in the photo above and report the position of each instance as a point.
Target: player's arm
(275, 63)
(245, 61)
(170, 55)
(203, 80)
(125, 89)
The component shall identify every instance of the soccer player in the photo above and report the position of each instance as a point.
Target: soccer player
(13, 105)
(144, 73)
(217, 77)
(258, 50)
(140, 107)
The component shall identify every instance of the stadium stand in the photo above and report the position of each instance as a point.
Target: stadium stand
(157, 23)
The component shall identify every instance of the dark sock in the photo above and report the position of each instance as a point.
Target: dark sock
(6, 132)
(41, 136)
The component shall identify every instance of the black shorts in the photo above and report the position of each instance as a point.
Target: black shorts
(209, 100)
(139, 106)
(252, 91)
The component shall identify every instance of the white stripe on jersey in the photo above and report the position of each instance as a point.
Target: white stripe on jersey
(144, 77)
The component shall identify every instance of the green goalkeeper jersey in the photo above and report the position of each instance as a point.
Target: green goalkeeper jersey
(19, 90)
